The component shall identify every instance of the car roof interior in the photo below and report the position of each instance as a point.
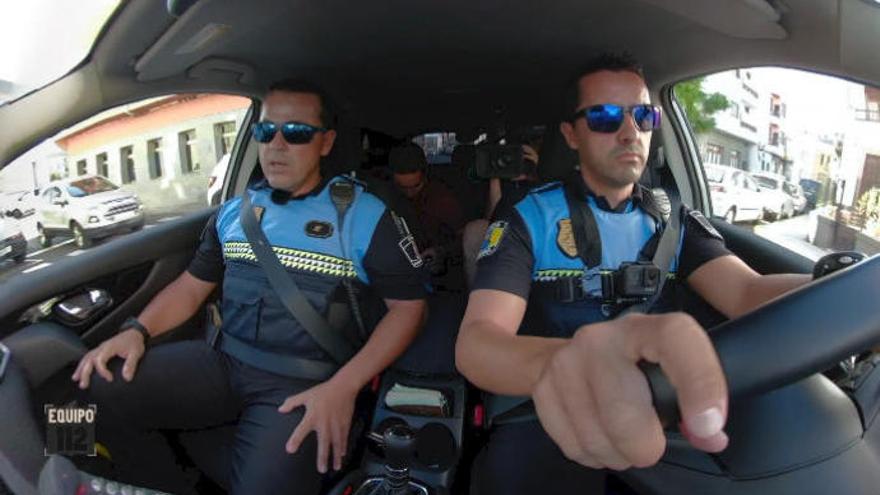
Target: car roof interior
(404, 68)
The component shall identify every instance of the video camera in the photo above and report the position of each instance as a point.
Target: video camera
(503, 161)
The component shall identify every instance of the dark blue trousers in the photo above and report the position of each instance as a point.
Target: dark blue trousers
(190, 386)
(521, 459)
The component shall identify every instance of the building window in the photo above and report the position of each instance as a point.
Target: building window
(154, 157)
(188, 159)
(81, 167)
(714, 153)
(734, 158)
(126, 164)
(224, 137)
(101, 164)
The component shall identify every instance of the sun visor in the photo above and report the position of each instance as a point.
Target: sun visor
(194, 45)
(746, 19)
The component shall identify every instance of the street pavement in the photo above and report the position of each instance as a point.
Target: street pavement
(62, 247)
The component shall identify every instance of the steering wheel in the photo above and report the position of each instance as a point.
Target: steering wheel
(791, 429)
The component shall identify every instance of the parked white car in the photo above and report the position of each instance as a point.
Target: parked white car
(18, 204)
(12, 243)
(88, 207)
(777, 203)
(735, 195)
(798, 199)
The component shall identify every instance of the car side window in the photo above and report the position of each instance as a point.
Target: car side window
(126, 168)
(813, 135)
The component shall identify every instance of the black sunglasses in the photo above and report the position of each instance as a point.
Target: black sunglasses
(293, 132)
(609, 117)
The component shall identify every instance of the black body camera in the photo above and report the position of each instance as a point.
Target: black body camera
(500, 161)
(632, 282)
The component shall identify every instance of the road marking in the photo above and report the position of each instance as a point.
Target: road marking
(50, 248)
(150, 226)
(35, 268)
(168, 219)
(76, 253)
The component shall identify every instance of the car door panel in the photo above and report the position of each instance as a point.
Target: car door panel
(132, 269)
(763, 255)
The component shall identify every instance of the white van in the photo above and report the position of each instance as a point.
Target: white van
(88, 207)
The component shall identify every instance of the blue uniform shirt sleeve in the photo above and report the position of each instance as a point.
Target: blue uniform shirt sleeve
(208, 264)
(506, 260)
(392, 274)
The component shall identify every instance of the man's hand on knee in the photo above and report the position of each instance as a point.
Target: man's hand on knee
(128, 345)
(329, 409)
(595, 403)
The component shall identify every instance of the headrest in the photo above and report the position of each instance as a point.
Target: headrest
(556, 159)
(407, 158)
(345, 155)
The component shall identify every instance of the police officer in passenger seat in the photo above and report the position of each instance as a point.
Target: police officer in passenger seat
(268, 370)
(563, 367)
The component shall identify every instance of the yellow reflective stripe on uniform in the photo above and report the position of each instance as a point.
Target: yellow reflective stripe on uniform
(553, 274)
(296, 259)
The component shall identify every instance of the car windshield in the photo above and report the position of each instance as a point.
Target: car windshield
(714, 174)
(91, 185)
(73, 26)
(767, 182)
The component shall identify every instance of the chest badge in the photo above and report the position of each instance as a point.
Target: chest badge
(565, 238)
(319, 229)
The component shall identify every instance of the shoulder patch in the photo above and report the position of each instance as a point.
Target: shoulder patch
(703, 222)
(494, 235)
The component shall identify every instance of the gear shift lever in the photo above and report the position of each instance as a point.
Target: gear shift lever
(399, 443)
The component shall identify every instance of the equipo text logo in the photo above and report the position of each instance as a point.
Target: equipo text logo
(70, 430)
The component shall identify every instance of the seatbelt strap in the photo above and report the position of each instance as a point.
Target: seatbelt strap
(331, 341)
(583, 226)
(662, 259)
(280, 364)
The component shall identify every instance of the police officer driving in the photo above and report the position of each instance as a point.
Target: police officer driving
(298, 256)
(550, 329)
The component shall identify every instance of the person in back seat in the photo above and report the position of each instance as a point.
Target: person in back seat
(575, 256)
(437, 211)
(287, 378)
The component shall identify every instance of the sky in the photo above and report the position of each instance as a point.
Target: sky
(41, 40)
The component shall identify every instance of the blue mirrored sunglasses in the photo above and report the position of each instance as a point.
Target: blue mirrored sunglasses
(293, 132)
(609, 117)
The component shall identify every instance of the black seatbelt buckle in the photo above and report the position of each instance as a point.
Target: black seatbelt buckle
(569, 289)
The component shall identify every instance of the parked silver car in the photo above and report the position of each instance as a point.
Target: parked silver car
(735, 194)
(88, 207)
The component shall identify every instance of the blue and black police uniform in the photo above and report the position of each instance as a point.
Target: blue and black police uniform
(191, 384)
(530, 251)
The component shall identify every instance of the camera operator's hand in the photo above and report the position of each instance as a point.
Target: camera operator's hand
(128, 345)
(595, 403)
(530, 154)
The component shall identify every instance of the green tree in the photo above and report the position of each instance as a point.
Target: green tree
(698, 105)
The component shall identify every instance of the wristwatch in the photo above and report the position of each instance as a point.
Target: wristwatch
(133, 322)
